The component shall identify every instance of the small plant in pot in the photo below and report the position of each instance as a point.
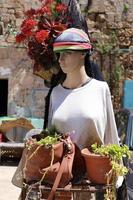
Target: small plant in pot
(104, 165)
(41, 151)
(45, 154)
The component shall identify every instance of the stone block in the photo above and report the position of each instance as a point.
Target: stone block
(8, 5)
(111, 23)
(38, 97)
(3, 10)
(12, 17)
(5, 18)
(118, 17)
(92, 16)
(127, 25)
(110, 17)
(109, 5)
(91, 24)
(11, 11)
(18, 22)
(130, 17)
(19, 13)
(119, 25)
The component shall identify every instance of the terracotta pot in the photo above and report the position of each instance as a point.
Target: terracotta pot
(97, 166)
(41, 158)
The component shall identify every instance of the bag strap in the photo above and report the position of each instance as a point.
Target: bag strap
(69, 152)
(58, 177)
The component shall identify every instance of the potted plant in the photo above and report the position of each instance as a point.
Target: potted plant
(48, 155)
(42, 151)
(104, 165)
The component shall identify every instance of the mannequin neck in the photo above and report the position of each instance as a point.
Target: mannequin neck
(76, 79)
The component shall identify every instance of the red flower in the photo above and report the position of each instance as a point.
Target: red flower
(48, 1)
(30, 12)
(41, 36)
(26, 31)
(20, 38)
(61, 7)
(41, 27)
(29, 23)
(58, 28)
(54, 27)
(44, 10)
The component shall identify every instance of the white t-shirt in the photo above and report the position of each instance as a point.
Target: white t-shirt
(87, 111)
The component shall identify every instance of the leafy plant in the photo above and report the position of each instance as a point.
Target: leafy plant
(107, 47)
(117, 72)
(105, 43)
(43, 141)
(125, 8)
(115, 153)
(39, 29)
(49, 140)
(11, 30)
(47, 137)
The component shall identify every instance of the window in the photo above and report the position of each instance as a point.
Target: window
(3, 96)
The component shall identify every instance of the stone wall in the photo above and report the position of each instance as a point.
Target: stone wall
(110, 25)
(26, 92)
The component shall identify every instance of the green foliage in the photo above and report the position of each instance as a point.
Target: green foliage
(47, 137)
(117, 72)
(11, 30)
(114, 151)
(49, 140)
(119, 169)
(125, 8)
(106, 43)
(49, 131)
(104, 49)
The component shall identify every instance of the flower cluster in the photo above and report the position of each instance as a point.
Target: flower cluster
(39, 29)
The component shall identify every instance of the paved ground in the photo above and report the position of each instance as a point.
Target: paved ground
(7, 190)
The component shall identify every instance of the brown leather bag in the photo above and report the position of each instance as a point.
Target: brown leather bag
(40, 167)
(67, 162)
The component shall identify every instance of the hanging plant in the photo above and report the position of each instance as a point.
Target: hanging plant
(38, 31)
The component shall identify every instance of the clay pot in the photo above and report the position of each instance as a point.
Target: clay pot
(97, 166)
(41, 158)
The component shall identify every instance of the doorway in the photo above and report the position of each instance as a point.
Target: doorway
(3, 97)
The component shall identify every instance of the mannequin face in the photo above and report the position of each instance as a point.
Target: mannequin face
(71, 61)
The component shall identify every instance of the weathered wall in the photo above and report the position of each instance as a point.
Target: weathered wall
(26, 91)
(110, 24)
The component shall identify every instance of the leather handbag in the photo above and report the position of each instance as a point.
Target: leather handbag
(56, 165)
(43, 164)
